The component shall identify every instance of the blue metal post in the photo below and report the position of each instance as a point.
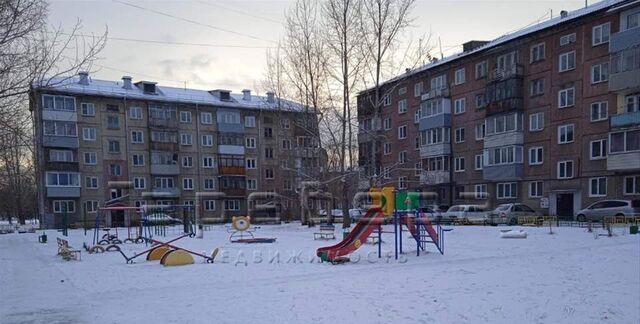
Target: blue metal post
(379, 241)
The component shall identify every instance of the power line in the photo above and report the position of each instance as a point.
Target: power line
(241, 12)
(192, 21)
(161, 42)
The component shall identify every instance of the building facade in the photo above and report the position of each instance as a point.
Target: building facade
(548, 116)
(99, 142)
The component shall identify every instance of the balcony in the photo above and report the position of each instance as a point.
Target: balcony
(307, 152)
(504, 106)
(624, 70)
(231, 170)
(504, 139)
(164, 146)
(231, 149)
(436, 93)
(509, 72)
(625, 81)
(624, 39)
(234, 192)
(503, 172)
(164, 193)
(625, 119)
(66, 166)
(63, 192)
(62, 115)
(165, 169)
(60, 141)
(435, 150)
(623, 161)
(163, 123)
(434, 177)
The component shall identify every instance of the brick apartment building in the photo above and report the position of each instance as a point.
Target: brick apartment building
(548, 116)
(142, 143)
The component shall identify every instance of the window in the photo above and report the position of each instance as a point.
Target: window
(250, 142)
(206, 118)
(598, 149)
(458, 163)
(64, 206)
(252, 184)
(91, 182)
(91, 206)
(632, 103)
(599, 72)
(90, 158)
(417, 169)
(567, 61)
(600, 34)
(137, 159)
(114, 147)
(566, 97)
(626, 141)
(139, 183)
(268, 132)
(115, 170)
(387, 148)
(460, 76)
(480, 132)
(226, 117)
(386, 100)
(185, 117)
(567, 39)
(436, 136)
(565, 169)
(89, 134)
(164, 183)
(402, 91)
(268, 153)
(416, 143)
(268, 173)
(88, 109)
(285, 123)
(535, 189)
(439, 82)
(459, 135)
(536, 122)
(537, 53)
(479, 160)
(599, 111)
(402, 183)
(164, 137)
(135, 112)
(632, 20)
(536, 87)
(232, 204)
(113, 108)
(598, 187)
(416, 116)
(565, 134)
(137, 137)
(386, 173)
(402, 106)
(207, 140)
(506, 62)
(507, 190)
(503, 123)
(209, 184)
(481, 100)
(209, 205)
(402, 132)
(63, 179)
(387, 123)
(481, 70)
(61, 156)
(250, 121)
(417, 89)
(459, 106)
(113, 122)
(207, 162)
(480, 191)
(58, 103)
(60, 128)
(187, 183)
(502, 155)
(632, 185)
(402, 157)
(187, 161)
(186, 139)
(251, 163)
(536, 156)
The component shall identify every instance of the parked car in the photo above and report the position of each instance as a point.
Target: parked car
(467, 214)
(607, 208)
(160, 218)
(434, 212)
(509, 213)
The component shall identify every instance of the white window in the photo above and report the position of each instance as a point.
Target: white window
(139, 183)
(252, 184)
(459, 135)
(417, 89)
(91, 182)
(535, 189)
(600, 72)
(250, 121)
(387, 148)
(481, 70)
(61, 156)
(386, 100)
(459, 106)
(598, 187)
(137, 159)
(536, 155)
(402, 91)
(63, 179)
(88, 109)
(164, 183)
(268, 174)
(567, 61)
(599, 111)
(479, 160)
(402, 183)
(207, 140)
(536, 87)
(115, 170)
(207, 162)
(625, 141)
(386, 173)
(187, 183)
(135, 112)
(251, 163)
(436, 136)
(402, 132)
(185, 117)
(58, 102)
(536, 122)
(187, 161)
(458, 163)
(565, 169)
(206, 118)
(632, 185)
(537, 53)
(402, 157)
(137, 137)
(387, 123)
(460, 76)
(567, 39)
(439, 82)
(632, 20)
(113, 122)
(250, 142)
(480, 132)
(232, 204)
(60, 128)
(64, 206)
(285, 123)
(566, 97)
(91, 206)
(502, 155)
(600, 34)
(598, 149)
(209, 205)
(402, 106)
(186, 139)
(209, 184)
(507, 190)
(480, 191)
(565, 134)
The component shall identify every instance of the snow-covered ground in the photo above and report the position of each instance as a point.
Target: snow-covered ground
(568, 277)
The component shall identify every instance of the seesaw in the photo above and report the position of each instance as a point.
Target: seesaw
(169, 254)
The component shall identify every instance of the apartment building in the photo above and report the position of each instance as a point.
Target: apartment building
(139, 143)
(547, 116)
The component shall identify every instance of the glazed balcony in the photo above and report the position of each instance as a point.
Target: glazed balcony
(504, 172)
(434, 177)
(231, 170)
(435, 149)
(629, 119)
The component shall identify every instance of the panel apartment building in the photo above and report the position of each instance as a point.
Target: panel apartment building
(548, 116)
(140, 143)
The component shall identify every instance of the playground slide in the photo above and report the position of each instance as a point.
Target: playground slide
(365, 226)
(411, 225)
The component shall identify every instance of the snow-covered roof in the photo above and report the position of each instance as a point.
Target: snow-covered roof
(115, 89)
(605, 4)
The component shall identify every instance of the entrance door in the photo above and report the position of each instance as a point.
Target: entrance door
(117, 218)
(564, 203)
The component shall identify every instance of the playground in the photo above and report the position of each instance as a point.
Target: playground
(572, 275)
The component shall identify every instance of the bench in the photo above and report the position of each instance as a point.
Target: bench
(67, 252)
(327, 232)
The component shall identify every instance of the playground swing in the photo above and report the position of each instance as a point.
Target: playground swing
(109, 242)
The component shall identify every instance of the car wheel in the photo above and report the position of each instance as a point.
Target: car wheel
(581, 218)
(513, 221)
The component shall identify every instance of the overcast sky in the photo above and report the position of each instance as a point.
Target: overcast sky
(245, 28)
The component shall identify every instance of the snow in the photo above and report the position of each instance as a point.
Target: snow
(569, 277)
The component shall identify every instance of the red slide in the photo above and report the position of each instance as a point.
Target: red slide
(411, 225)
(365, 226)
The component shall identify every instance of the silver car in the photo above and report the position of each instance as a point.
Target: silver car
(609, 208)
(509, 213)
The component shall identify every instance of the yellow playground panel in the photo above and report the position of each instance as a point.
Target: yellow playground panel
(177, 258)
(621, 220)
(384, 199)
(158, 253)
